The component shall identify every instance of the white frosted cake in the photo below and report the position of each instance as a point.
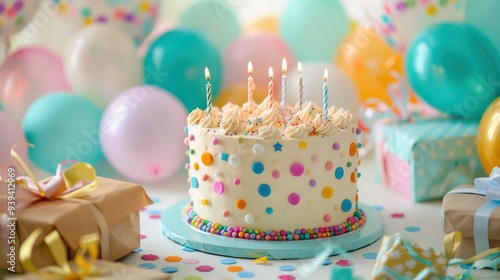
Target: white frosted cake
(260, 172)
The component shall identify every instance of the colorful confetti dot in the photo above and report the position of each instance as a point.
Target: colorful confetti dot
(204, 268)
(343, 262)
(397, 215)
(287, 268)
(286, 277)
(150, 257)
(187, 248)
(261, 260)
(294, 198)
(228, 261)
(147, 265)
(192, 278)
(142, 236)
(297, 169)
(190, 261)
(336, 146)
(154, 211)
(155, 216)
(241, 204)
(173, 258)
(207, 159)
(327, 192)
(234, 268)
(169, 269)
(327, 262)
(264, 190)
(257, 167)
(378, 207)
(245, 274)
(412, 229)
(370, 256)
(346, 205)
(218, 187)
(138, 250)
(339, 173)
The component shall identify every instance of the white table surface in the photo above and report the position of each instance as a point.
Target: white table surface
(423, 215)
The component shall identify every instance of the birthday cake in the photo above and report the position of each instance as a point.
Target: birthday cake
(265, 172)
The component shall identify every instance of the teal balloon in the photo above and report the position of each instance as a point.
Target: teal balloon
(176, 62)
(313, 28)
(454, 68)
(214, 19)
(62, 126)
(483, 15)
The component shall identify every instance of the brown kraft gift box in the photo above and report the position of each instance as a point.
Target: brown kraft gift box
(118, 202)
(458, 215)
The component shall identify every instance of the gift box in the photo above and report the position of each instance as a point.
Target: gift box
(111, 209)
(424, 159)
(474, 211)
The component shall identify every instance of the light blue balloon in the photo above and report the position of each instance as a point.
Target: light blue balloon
(214, 19)
(313, 28)
(483, 14)
(62, 127)
(176, 62)
(454, 68)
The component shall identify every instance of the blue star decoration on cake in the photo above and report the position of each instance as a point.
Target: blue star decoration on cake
(277, 147)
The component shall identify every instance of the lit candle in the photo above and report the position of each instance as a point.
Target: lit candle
(209, 92)
(251, 85)
(283, 84)
(270, 87)
(301, 85)
(325, 96)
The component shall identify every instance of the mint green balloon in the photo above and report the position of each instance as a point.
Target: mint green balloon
(314, 28)
(483, 15)
(62, 126)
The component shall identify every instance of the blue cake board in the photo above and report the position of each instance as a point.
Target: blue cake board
(175, 228)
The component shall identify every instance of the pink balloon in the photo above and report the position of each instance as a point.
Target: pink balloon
(160, 29)
(28, 74)
(142, 134)
(11, 134)
(264, 50)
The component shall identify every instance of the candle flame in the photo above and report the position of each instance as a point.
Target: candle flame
(270, 73)
(283, 65)
(325, 76)
(250, 68)
(207, 74)
(299, 67)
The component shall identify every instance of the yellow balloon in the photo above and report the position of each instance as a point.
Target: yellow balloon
(238, 94)
(266, 24)
(367, 59)
(488, 137)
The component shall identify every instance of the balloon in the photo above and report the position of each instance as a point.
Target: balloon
(101, 62)
(62, 126)
(488, 137)
(28, 74)
(213, 19)
(176, 63)
(313, 29)
(160, 29)
(142, 134)
(341, 90)
(368, 60)
(14, 14)
(48, 29)
(11, 134)
(451, 66)
(135, 18)
(483, 15)
(266, 24)
(357, 11)
(399, 22)
(238, 94)
(263, 50)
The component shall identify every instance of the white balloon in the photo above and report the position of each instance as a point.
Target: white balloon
(100, 62)
(342, 91)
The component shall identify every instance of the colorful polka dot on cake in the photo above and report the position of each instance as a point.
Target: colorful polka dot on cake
(150, 257)
(204, 268)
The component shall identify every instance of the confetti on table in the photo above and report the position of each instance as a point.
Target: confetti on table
(234, 268)
(204, 268)
(147, 265)
(412, 229)
(245, 274)
(286, 277)
(144, 208)
(378, 207)
(149, 257)
(170, 269)
(397, 215)
(142, 236)
(155, 199)
(465, 266)
(370, 256)
(261, 260)
(173, 258)
(155, 216)
(138, 250)
(343, 262)
(190, 261)
(228, 261)
(187, 248)
(287, 268)
(327, 262)
(154, 211)
(191, 278)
